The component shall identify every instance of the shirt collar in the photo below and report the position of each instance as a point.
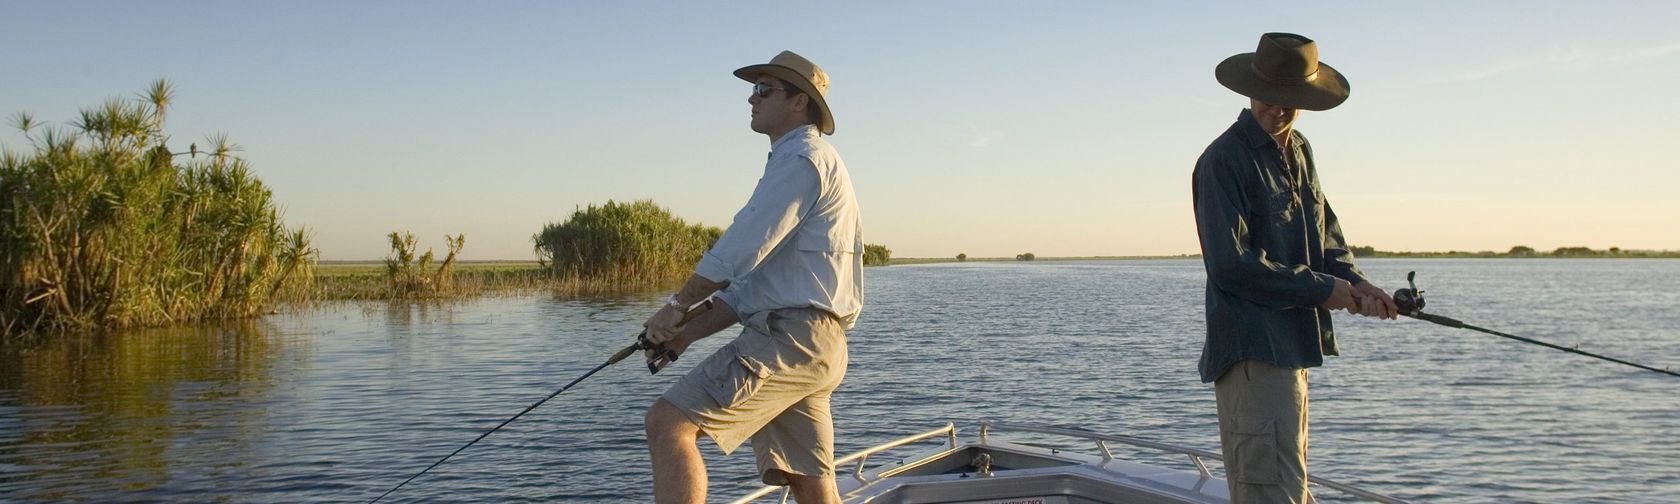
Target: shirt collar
(801, 132)
(1258, 138)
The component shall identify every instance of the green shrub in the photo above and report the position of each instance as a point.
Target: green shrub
(101, 225)
(876, 255)
(624, 244)
(1028, 256)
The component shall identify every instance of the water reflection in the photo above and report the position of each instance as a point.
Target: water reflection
(407, 313)
(114, 409)
(341, 402)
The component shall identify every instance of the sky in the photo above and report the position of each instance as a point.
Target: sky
(985, 128)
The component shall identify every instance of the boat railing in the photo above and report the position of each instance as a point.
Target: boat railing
(1196, 456)
(862, 458)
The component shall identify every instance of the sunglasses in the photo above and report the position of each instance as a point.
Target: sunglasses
(763, 89)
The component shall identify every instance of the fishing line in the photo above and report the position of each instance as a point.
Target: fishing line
(662, 358)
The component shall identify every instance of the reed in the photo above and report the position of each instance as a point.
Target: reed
(407, 278)
(102, 225)
(621, 246)
(371, 281)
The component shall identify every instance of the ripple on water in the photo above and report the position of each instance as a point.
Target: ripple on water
(340, 404)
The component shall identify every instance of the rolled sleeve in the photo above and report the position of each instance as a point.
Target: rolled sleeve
(732, 296)
(783, 196)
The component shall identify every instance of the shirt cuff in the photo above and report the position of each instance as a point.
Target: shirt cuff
(1323, 288)
(713, 268)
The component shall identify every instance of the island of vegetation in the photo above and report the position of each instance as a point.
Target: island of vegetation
(103, 224)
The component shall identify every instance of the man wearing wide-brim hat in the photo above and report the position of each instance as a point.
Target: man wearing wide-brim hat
(790, 270)
(1277, 265)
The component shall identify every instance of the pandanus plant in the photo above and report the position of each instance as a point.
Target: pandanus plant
(103, 225)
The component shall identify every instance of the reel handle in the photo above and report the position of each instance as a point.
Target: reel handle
(1409, 299)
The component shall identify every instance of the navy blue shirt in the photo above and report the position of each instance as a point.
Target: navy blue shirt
(1272, 249)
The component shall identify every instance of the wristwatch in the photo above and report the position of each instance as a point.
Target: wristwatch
(681, 308)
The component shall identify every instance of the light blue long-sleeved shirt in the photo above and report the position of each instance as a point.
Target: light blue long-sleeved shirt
(799, 241)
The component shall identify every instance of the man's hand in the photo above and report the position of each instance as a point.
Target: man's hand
(676, 346)
(662, 326)
(1341, 298)
(1373, 302)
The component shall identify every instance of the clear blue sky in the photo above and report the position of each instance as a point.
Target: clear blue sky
(989, 128)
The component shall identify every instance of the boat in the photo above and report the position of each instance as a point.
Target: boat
(987, 469)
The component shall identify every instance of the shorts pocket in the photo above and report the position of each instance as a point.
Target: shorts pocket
(738, 378)
(1256, 453)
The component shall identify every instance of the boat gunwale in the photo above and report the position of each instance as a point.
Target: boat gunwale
(983, 439)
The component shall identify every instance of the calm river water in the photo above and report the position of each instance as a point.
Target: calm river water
(341, 403)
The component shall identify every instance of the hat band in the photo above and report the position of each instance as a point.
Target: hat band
(1282, 80)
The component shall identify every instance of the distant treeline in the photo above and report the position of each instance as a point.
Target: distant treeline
(1521, 251)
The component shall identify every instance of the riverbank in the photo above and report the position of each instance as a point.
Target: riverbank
(367, 280)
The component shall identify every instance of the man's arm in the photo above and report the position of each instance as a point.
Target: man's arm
(720, 317)
(1234, 264)
(662, 326)
(1370, 300)
(783, 196)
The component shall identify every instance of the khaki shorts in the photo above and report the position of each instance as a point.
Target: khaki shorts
(1263, 432)
(771, 384)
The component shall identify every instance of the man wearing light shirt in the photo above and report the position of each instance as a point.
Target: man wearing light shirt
(789, 269)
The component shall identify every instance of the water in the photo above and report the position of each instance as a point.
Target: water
(340, 404)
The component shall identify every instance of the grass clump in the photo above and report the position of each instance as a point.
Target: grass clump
(622, 245)
(407, 277)
(102, 225)
(876, 255)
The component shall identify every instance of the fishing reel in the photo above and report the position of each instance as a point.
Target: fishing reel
(662, 357)
(1409, 299)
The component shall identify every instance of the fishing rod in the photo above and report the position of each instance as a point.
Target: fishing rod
(661, 358)
(1410, 301)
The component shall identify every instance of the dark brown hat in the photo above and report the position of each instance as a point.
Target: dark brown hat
(1284, 71)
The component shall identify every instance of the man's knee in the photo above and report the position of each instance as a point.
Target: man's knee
(665, 421)
(813, 489)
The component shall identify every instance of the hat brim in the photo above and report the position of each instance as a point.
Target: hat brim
(1325, 91)
(750, 73)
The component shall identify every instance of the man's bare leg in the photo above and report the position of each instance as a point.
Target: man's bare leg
(813, 489)
(679, 473)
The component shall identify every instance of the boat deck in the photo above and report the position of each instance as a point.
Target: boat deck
(988, 470)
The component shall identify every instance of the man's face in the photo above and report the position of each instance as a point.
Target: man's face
(772, 105)
(1275, 120)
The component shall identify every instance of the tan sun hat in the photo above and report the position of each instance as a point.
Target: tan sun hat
(1285, 71)
(803, 74)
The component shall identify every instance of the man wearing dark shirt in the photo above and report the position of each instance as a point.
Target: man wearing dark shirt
(1277, 265)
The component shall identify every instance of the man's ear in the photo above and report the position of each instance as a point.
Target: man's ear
(803, 101)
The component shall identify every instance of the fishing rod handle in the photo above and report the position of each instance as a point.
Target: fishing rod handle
(663, 357)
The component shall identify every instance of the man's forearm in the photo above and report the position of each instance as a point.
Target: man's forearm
(718, 318)
(696, 289)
